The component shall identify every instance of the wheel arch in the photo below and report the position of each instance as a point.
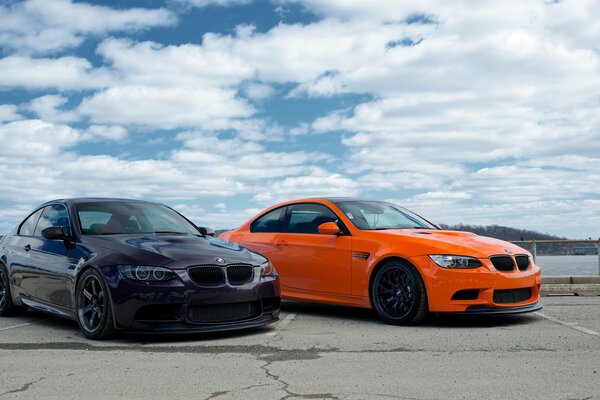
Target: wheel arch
(380, 265)
(77, 278)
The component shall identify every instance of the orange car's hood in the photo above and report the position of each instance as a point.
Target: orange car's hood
(427, 242)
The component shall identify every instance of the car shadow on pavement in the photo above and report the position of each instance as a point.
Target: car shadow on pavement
(435, 320)
(62, 329)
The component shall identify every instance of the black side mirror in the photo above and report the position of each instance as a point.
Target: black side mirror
(206, 231)
(56, 232)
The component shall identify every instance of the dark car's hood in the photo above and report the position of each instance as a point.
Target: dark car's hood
(175, 250)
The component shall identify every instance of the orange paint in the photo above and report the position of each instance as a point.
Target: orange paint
(337, 269)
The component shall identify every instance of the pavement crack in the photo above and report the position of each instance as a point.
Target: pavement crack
(268, 360)
(23, 388)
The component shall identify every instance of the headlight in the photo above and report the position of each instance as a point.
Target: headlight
(146, 273)
(455, 262)
(267, 269)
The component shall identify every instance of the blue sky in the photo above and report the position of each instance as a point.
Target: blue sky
(472, 113)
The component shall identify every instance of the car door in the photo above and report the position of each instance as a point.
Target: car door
(309, 260)
(263, 236)
(19, 256)
(54, 261)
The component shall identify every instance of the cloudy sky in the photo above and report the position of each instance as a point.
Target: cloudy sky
(475, 112)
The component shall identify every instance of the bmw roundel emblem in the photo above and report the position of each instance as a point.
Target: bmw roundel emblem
(507, 251)
(220, 260)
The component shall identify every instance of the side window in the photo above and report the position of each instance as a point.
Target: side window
(306, 218)
(270, 222)
(55, 215)
(28, 226)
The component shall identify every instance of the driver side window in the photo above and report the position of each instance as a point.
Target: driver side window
(54, 215)
(306, 218)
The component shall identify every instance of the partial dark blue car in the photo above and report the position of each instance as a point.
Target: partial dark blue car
(129, 265)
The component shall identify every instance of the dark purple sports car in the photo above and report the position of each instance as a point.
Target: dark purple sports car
(132, 266)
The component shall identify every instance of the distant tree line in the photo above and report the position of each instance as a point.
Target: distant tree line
(513, 234)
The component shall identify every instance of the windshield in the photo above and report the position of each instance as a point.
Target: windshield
(375, 215)
(114, 218)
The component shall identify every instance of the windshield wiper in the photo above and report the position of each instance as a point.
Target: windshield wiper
(170, 233)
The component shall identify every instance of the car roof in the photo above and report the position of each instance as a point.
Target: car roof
(81, 200)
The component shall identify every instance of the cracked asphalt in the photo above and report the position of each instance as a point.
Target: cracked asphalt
(316, 352)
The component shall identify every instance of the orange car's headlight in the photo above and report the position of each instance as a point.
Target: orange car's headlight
(455, 262)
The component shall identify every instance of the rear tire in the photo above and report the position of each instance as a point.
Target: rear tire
(94, 308)
(398, 294)
(7, 307)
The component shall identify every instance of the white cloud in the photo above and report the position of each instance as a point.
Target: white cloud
(203, 107)
(40, 26)
(70, 73)
(206, 3)
(105, 132)
(8, 112)
(47, 108)
(34, 139)
(259, 91)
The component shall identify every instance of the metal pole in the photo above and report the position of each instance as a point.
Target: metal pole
(598, 244)
(533, 250)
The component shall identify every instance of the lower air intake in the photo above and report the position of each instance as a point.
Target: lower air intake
(508, 296)
(216, 313)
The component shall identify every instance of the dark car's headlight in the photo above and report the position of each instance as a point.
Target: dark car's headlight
(267, 269)
(455, 262)
(146, 273)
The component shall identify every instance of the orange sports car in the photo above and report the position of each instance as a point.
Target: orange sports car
(378, 255)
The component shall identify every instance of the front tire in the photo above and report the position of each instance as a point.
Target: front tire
(94, 308)
(398, 294)
(7, 307)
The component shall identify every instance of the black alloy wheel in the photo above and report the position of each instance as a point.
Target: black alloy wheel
(7, 307)
(398, 294)
(94, 311)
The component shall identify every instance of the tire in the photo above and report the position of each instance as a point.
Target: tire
(94, 308)
(7, 307)
(398, 294)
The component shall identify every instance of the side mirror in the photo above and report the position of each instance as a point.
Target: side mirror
(329, 228)
(56, 232)
(206, 231)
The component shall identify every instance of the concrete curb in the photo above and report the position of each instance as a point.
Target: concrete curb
(571, 285)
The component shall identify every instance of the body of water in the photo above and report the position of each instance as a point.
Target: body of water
(568, 265)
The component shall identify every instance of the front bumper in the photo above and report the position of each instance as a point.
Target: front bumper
(444, 287)
(169, 307)
(487, 310)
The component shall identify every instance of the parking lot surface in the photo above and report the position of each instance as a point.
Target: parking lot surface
(316, 352)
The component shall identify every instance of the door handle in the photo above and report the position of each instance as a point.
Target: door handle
(27, 247)
(281, 244)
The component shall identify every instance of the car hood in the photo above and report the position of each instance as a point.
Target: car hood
(173, 250)
(451, 242)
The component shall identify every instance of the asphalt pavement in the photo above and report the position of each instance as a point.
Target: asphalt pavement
(316, 352)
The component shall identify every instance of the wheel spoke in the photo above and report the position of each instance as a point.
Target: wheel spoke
(93, 317)
(94, 289)
(87, 294)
